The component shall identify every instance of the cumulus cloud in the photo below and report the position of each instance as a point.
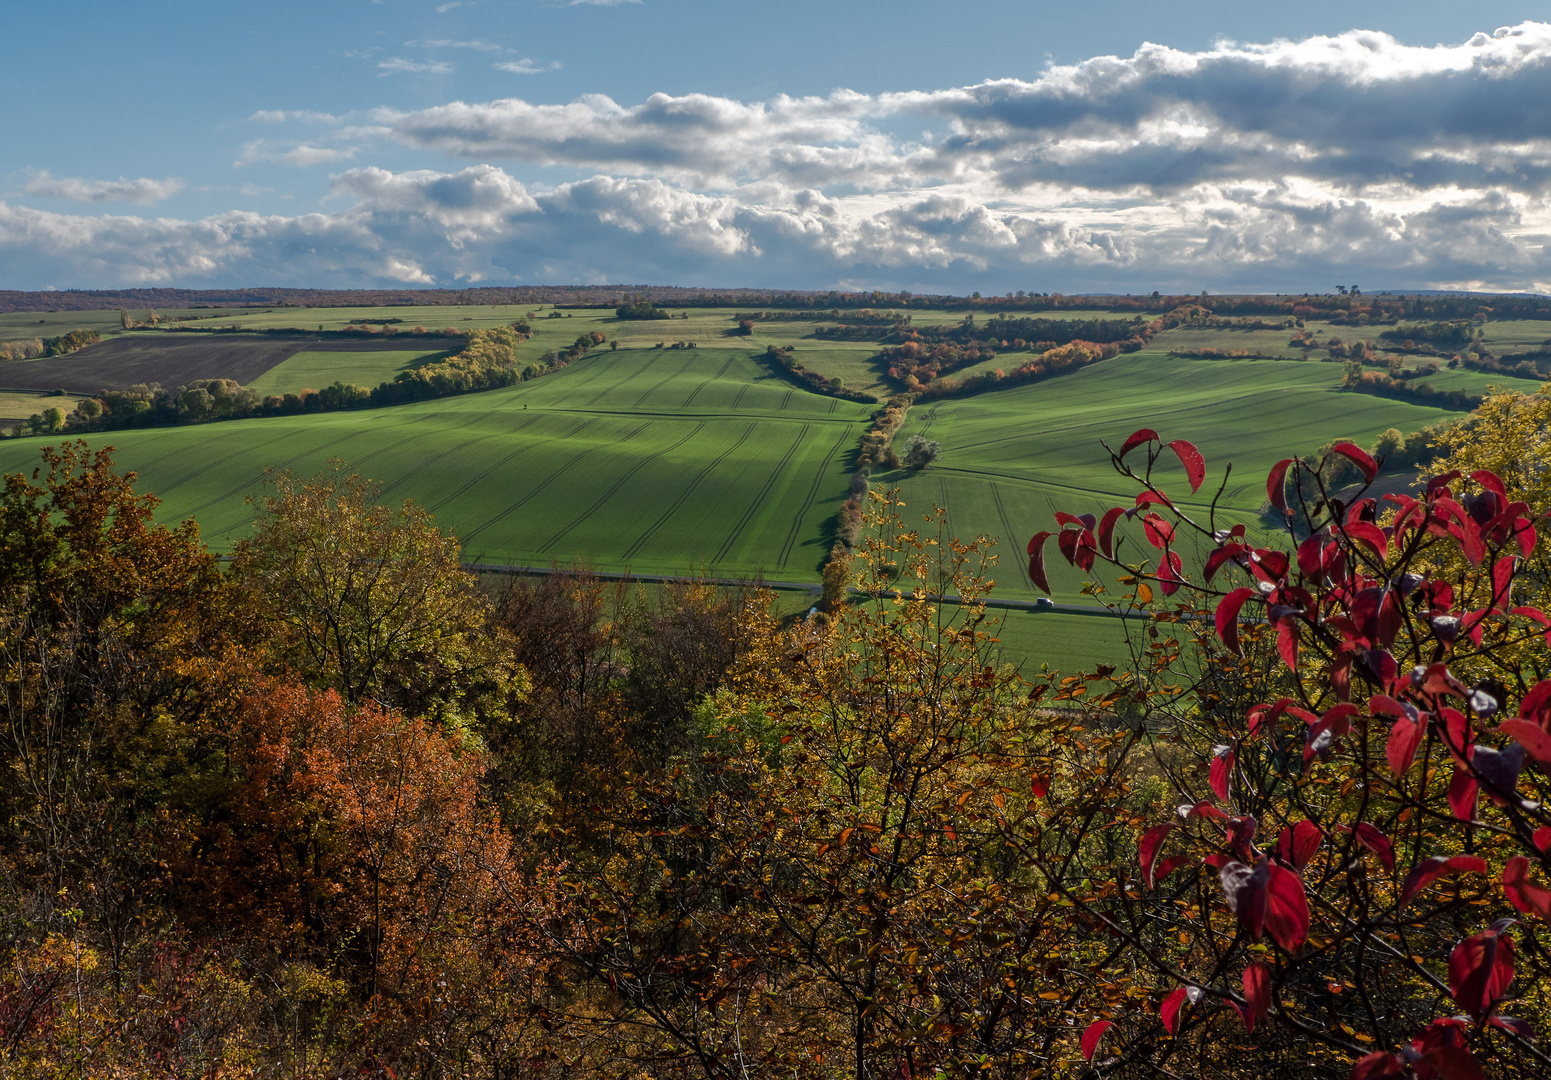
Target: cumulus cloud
(1280, 166)
(142, 192)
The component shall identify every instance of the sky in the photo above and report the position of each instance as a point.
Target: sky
(937, 147)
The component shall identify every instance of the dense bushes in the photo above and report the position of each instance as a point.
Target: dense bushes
(640, 309)
(781, 359)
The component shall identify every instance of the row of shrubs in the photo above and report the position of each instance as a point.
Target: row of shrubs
(62, 345)
(1423, 393)
(486, 362)
(781, 358)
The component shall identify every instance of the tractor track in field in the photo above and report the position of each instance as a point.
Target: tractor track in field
(715, 378)
(500, 462)
(1010, 536)
(737, 400)
(645, 538)
(550, 479)
(614, 490)
(663, 381)
(758, 500)
(813, 494)
(947, 505)
(787, 400)
(277, 467)
(219, 461)
(428, 462)
(601, 394)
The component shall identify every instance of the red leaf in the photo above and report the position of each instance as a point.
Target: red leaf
(1523, 893)
(1170, 1010)
(1191, 459)
(1462, 794)
(1227, 618)
(1037, 561)
(1222, 769)
(1298, 843)
(1379, 1066)
(1480, 969)
(1454, 1063)
(1170, 573)
(1370, 534)
(1107, 531)
(1091, 1037)
(1276, 485)
(1375, 841)
(1287, 634)
(1152, 840)
(1535, 740)
(1169, 865)
(1244, 887)
(1137, 438)
(1429, 870)
(1536, 705)
(1502, 582)
(1287, 909)
(1158, 531)
(1404, 738)
(1490, 481)
(1359, 457)
(1257, 992)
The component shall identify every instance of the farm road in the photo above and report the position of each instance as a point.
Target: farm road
(176, 359)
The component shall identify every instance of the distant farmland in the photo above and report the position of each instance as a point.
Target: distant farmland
(175, 359)
(660, 460)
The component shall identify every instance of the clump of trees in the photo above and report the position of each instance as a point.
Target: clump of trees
(920, 452)
(63, 345)
(640, 309)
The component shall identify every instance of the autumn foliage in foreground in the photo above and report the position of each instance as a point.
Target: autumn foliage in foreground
(339, 809)
(1360, 866)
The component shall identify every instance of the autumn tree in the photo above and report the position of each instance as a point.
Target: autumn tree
(120, 643)
(371, 600)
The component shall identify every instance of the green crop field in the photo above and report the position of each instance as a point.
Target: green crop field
(1010, 459)
(312, 370)
(653, 460)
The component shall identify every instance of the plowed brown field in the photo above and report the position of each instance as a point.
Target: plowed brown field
(176, 359)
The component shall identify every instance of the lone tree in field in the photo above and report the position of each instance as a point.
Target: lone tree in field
(919, 453)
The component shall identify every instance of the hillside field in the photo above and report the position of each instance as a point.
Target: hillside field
(665, 460)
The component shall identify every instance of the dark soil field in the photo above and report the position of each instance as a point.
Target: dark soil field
(176, 359)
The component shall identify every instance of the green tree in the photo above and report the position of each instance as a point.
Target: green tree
(370, 599)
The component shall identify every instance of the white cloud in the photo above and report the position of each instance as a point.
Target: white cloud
(397, 65)
(527, 66)
(1280, 166)
(442, 9)
(599, 3)
(143, 191)
(448, 43)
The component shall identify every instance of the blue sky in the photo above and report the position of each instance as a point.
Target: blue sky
(992, 146)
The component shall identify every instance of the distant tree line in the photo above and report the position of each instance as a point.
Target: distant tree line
(487, 362)
(62, 345)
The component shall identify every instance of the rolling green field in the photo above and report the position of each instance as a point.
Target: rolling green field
(666, 460)
(656, 461)
(1010, 459)
(312, 370)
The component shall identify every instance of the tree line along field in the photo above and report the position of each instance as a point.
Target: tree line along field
(660, 460)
